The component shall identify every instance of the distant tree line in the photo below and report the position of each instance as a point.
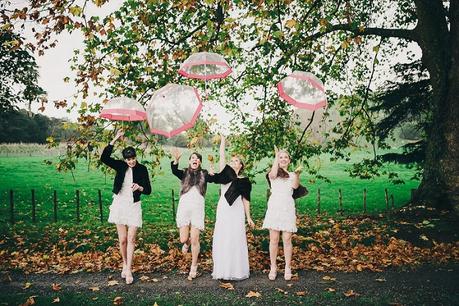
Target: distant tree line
(23, 126)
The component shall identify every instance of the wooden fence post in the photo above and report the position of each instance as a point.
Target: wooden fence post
(318, 201)
(78, 205)
(11, 206)
(173, 204)
(386, 197)
(99, 193)
(340, 198)
(364, 200)
(33, 206)
(55, 205)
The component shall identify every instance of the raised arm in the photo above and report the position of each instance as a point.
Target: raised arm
(222, 162)
(296, 178)
(107, 152)
(275, 167)
(176, 154)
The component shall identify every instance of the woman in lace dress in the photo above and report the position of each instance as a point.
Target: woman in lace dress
(281, 216)
(131, 180)
(190, 211)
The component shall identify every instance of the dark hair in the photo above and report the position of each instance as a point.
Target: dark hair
(199, 156)
(128, 152)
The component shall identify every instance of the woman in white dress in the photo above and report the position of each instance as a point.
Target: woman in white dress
(229, 247)
(131, 180)
(281, 215)
(190, 211)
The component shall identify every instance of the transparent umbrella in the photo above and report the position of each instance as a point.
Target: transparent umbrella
(173, 109)
(205, 66)
(123, 109)
(303, 90)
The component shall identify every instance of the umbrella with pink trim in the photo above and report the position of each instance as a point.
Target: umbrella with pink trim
(123, 109)
(205, 66)
(303, 90)
(173, 109)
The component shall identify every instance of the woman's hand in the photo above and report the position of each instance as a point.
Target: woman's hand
(118, 135)
(176, 154)
(136, 186)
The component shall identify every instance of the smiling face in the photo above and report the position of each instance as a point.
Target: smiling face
(131, 161)
(194, 161)
(284, 160)
(236, 164)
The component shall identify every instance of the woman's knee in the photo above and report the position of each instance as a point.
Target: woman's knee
(123, 240)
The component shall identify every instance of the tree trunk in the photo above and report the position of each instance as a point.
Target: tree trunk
(440, 182)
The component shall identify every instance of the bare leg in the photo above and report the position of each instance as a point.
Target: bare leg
(185, 238)
(195, 248)
(132, 230)
(122, 238)
(287, 241)
(273, 249)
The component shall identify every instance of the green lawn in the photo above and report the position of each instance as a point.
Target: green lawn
(23, 173)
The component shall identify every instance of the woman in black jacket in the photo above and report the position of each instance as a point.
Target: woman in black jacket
(131, 180)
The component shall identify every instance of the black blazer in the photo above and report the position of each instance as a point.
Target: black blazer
(139, 173)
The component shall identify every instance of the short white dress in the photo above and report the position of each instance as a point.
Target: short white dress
(281, 213)
(229, 247)
(123, 209)
(190, 210)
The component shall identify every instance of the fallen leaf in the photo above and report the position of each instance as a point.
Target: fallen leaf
(95, 298)
(56, 300)
(118, 300)
(330, 289)
(252, 294)
(155, 280)
(228, 286)
(350, 293)
(144, 278)
(424, 237)
(281, 290)
(113, 283)
(94, 288)
(380, 279)
(56, 287)
(27, 285)
(289, 285)
(301, 293)
(30, 301)
(328, 278)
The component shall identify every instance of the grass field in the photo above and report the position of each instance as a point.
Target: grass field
(21, 173)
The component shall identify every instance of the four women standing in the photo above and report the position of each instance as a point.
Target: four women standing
(229, 247)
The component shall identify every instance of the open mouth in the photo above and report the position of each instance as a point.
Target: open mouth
(194, 164)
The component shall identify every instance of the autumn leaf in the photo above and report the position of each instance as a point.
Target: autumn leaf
(328, 278)
(94, 289)
(56, 300)
(301, 293)
(113, 283)
(330, 289)
(281, 290)
(30, 301)
(252, 294)
(424, 237)
(155, 280)
(27, 285)
(228, 286)
(144, 278)
(350, 293)
(118, 300)
(56, 287)
(380, 279)
(291, 23)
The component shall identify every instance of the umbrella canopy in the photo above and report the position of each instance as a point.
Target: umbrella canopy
(205, 66)
(303, 90)
(173, 109)
(123, 109)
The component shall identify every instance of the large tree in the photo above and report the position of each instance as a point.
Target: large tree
(139, 47)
